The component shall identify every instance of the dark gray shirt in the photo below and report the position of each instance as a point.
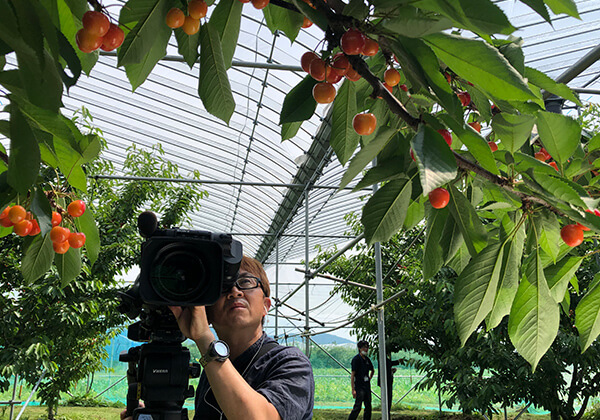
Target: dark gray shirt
(283, 375)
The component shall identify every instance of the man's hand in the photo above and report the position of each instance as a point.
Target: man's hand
(354, 393)
(193, 324)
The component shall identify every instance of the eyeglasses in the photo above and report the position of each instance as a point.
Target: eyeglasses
(244, 282)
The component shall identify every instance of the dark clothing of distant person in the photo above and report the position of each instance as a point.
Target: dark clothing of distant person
(390, 379)
(362, 368)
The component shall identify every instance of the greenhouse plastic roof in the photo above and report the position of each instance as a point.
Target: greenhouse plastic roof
(256, 183)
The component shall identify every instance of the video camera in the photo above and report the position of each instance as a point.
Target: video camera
(177, 268)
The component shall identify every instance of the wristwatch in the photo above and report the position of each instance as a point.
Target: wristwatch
(217, 350)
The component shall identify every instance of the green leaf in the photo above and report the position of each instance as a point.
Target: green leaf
(482, 65)
(567, 7)
(476, 144)
(411, 23)
(226, 19)
(475, 289)
(40, 207)
(357, 9)
(214, 88)
(468, 221)
(414, 215)
(24, 159)
(86, 224)
(475, 15)
(138, 72)
(539, 7)
(433, 258)
(37, 259)
(316, 16)
(69, 161)
(68, 265)
(587, 317)
(559, 276)
(560, 189)
(436, 161)
(509, 279)
(344, 138)
(382, 172)
(367, 154)
(282, 19)
(46, 120)
(289, 130)
(149, 16)
(512, 130)
(545, 82)
(431, 70)
(534, 317)
(525, 162)
(299, 104)
(187, 46)
(559, 134)
(547, 231)
(384, 213)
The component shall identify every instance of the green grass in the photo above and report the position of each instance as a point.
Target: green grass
(110, 413)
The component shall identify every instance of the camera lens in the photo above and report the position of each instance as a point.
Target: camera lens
(178, 272)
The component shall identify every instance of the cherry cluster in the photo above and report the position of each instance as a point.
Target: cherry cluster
(24, 224)
(98, 32)
(190, 24)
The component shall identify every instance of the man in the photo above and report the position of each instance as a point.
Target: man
(258, 378)
(360, 379)
(390, 370)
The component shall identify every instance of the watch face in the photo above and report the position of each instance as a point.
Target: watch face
(221, 349)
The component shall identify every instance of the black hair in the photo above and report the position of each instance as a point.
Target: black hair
(362, 343)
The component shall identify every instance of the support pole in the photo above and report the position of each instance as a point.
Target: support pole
(276, 289)
(381, 328)
(31, 395)
(306, 277)
(12, 400)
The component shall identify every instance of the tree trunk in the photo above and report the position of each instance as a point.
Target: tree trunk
(50, 411)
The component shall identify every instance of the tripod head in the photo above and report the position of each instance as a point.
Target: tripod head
(158, 370)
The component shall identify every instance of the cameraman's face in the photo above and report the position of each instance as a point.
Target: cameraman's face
(240, 308)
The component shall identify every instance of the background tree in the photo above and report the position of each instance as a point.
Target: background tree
(61, 327)
(485, 373)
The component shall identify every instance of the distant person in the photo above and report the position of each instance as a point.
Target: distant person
(360, 379)
(389, 370)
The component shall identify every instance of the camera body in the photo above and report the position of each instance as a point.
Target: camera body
(186, 267)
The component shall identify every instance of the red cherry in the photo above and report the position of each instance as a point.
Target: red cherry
(56, 219)
(87, 42)
(306, 59)
(364, 123)
(371, 47)
(197, 8)
(23, 227)
(572, 235)
(307, 23)
(340, 64)
(61, 247)
(175, 18)
(476, 126)
(554, 165)
(439, 198)
(465, 98)
(392, 77)
(95, 23)
(59, 234)
(17, 213)
(493, 146)
(260, 4)
(404, 87)
(324, 93)
(76, 239)
(35, 228)
(352, 75)
(113, 39)
(76, 208)
(353, 42)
